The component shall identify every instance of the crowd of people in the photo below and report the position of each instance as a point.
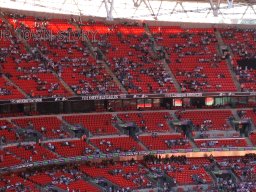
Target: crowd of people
(67, 58)
(242, 43)
(197, 50)
(87, 76)
(246, 78)
(108, 147)
(157, 167)
(177, 142)
(137, 69)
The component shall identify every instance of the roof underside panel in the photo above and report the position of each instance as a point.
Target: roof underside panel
(181, 11)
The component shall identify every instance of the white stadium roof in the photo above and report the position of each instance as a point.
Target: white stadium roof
(211, 11)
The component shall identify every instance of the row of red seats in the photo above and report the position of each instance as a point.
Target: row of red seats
(242, 43)
(221, 143)
(96, 124)
(214, 120)
(160, 142)
(155, 121)
(112, 145)
(125, 177)
(123, 41)
(50, 127)
(56, 178)
(182, 173)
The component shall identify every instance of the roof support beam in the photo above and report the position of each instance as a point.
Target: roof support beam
(230, 3)
(215, 7)
(109, 5)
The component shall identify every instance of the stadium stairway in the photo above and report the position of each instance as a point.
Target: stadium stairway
(91, 181)
(248, 141)
(66, 126)
(167, 68)
(164, 61)
(192, 143)
(253, 126)
(235, 176)
(228, 61)
(172, 113)
(105, 181)
(16, 86)
(93, 51)
(235, 115)
(230, 67)
(219, 38)
(65, 85)
(49, 188)
(140, 143)
(87, 132)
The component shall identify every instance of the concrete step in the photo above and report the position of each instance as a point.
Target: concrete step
(235, 115)
(93, 182)
(142, 145)
(168, 69)
(248, 141)
(228, 60)
(172, 113)
(65, 85)
(219, 38)
(66, 125)
(107, 68)
(52, 188)
(192, 143)
(233, 75)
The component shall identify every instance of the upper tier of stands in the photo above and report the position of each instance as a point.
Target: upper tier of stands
(62, 53)
(57, 51)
